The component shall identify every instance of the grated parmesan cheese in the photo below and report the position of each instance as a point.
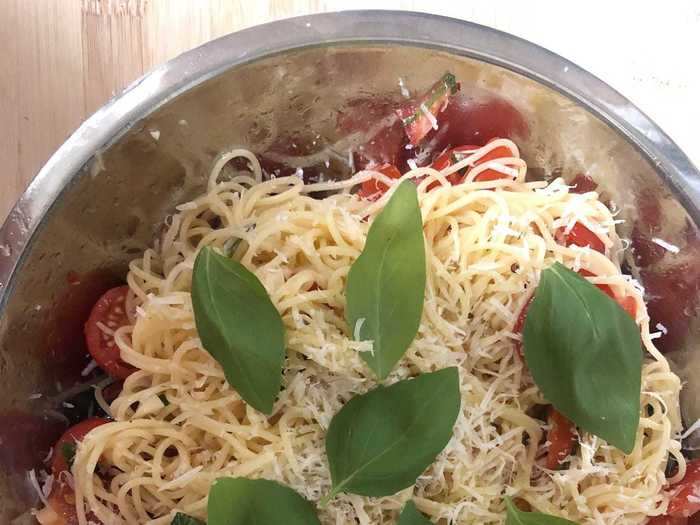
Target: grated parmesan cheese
(431, 118)
(473, 236)
(666, 245)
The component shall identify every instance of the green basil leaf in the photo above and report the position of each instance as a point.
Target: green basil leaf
(411, 516)
(585, 355)
(515, 516)
(68, 450)
(239, 326)
(242, 501)
(184, 519)
(386, 284)
(381, 441)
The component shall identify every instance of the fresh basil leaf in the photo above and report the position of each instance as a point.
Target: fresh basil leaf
(386, 284)
(68, 450)
(585, 355)
(184, 519)
(242, 501)
(411, 516)
(515, 516)
(381, 441)
(239, 326)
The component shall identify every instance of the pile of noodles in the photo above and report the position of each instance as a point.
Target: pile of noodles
(179, 425)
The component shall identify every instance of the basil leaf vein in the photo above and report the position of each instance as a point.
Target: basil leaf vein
(183, 519)
(584, 353)
(239, 326)
(386, 284)
(381, 441)
(411, 516)
(241, 501)
(515, 516)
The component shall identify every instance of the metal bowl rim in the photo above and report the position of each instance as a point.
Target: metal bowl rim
(369, 27)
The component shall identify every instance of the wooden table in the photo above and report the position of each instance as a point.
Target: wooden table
(62, 59)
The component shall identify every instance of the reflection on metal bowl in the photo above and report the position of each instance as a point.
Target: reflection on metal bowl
(292, 91)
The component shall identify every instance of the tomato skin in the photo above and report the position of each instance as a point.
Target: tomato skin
(627, 303)
(500, 152)
(62, 506)
(71, 436)
(110, 310)
(602, 287)
(62, 497)
(373, 189)
(582, 183)
(581, 236)
(561, 437)
(519, 325)
(684, 491)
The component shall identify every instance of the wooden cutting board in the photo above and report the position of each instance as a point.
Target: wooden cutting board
(63, 59)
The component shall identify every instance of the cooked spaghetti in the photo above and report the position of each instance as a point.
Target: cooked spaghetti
(178, 425)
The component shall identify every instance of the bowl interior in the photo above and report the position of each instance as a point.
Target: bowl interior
(311, 108)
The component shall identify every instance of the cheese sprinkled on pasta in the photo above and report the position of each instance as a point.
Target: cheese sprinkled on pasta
(179, 425)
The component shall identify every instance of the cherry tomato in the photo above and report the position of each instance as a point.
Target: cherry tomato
(686, 493)
(62, 498)
(519, 325)
(561, 437)
(61, 506)
(447, 158)
(580, 235)
(582, 183)
(109, 310)
(373, 189)
(603, 287)
(500, 152)
(69, 438)
(627, 303)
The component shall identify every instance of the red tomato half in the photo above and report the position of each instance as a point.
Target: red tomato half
(686, 493)
(520, 324)
(373, 189)
(109, 310)
(69, 438)
(580, 236)
(561, 437)
(627, 303)
(62, 498)
(500, 152)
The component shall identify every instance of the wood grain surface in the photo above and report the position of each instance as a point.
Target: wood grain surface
(63, 59)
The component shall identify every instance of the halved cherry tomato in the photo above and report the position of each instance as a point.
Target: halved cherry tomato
(561, 437)
(686, 493)
(582, 183)
(61, 508)
(519, 325)
(109, 310)
(69, 438)
(446, 159)
(373, 189)
(580, 235)
(603, 287)
(500, 152)
(627, 303)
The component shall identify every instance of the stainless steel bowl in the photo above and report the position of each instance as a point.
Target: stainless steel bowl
(102, 196)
